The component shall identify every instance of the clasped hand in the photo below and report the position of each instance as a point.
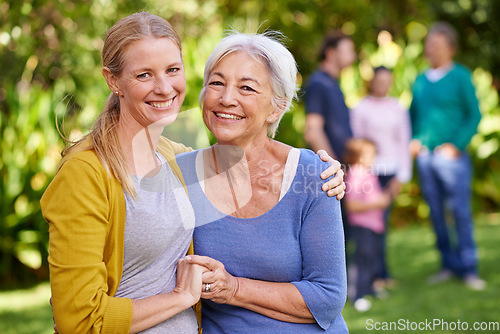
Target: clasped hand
(223, 286)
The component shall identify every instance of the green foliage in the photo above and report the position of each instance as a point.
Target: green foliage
(50, 59)
(26, 311)
(29, 157)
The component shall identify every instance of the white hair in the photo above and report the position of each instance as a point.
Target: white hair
(266, 49)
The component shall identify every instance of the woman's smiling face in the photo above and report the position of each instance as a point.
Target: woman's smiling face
(152, 85)
(238, 100)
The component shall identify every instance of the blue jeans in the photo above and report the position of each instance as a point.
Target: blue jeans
(446, 184)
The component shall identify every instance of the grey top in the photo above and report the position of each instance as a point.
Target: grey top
(158, 231)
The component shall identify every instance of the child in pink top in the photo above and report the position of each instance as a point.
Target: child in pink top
(365, 202)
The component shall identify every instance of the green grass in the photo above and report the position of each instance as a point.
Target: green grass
(26, 311)
(412, 258)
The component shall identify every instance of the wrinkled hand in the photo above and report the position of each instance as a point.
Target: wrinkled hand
(189, 279)
(223, 286)
(335, 186)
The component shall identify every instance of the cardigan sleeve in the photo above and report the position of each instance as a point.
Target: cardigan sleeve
(324, 283)
(77, 207)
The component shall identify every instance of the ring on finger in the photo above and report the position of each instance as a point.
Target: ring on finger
(207, 287)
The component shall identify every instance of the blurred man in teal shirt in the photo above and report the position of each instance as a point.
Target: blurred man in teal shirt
(445, 115)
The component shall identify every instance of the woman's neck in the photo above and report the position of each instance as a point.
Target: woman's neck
(139, 145)
(258, 154)
(249, 158)
(245, 181)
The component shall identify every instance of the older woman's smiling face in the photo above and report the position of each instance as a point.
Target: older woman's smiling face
(238, 100)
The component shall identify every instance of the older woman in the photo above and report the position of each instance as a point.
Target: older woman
(119, 218)
(273, 241)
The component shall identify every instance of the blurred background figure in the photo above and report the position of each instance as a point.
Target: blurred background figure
(327, 116)
(327, 119)
(365, 202)
(445, 115)
(384, 121)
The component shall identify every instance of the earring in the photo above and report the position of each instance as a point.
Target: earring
(116, 92)
(269, 119)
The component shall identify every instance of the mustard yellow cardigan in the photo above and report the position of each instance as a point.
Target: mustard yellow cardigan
(85, 209)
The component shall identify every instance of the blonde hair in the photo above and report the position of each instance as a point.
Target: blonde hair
(104, 137)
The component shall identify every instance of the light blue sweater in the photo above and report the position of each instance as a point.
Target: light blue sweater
(300, 240)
